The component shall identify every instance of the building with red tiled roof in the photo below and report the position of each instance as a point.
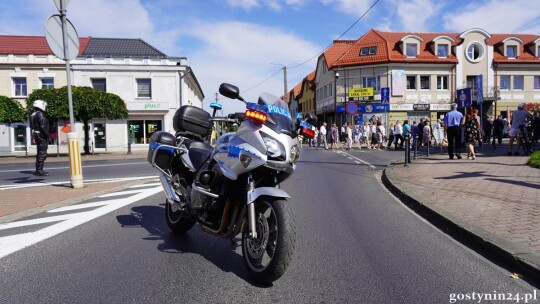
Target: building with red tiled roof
(400, 75)
(152, 84)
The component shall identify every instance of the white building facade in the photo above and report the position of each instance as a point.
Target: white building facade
(152, 85)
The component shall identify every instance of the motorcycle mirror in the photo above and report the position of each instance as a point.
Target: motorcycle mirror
(311, 118)
(230, 91)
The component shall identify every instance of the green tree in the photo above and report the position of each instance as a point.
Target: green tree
(88, 104)
(11, 110)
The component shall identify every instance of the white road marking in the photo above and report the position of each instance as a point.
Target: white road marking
(83, 206)
(13, 243)
(349, 156)
(119, 193)
(145, 185)
(84, 166)
(90, 181)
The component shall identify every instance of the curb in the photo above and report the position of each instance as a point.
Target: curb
(500, 254)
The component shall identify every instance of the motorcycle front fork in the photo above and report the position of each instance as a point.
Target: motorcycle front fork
(251, 209)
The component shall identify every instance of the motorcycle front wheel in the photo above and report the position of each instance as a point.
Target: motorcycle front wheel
(177, 220)
(268, 256)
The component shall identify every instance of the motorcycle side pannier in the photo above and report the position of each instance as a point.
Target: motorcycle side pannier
(192, 120)
(164, 155)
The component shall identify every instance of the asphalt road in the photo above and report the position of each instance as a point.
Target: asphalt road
(21, 173)
(355, 244)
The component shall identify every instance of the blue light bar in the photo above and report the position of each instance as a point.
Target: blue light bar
(214, 105)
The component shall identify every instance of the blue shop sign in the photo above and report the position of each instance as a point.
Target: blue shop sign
(340, 109)
(371, 108)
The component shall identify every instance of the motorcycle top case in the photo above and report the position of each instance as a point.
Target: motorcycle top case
(165, 154)
(192, 119)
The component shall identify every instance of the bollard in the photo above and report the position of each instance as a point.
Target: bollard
(129, 146)
(25, 148)
(407, 150)
(75, 167)
(415, 143)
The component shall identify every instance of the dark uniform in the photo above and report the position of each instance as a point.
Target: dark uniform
(40, 134)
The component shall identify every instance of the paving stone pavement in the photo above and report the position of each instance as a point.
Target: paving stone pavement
(495, 199)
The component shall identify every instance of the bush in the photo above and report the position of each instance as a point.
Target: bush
(534, 160)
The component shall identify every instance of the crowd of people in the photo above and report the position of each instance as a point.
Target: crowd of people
(452, 132)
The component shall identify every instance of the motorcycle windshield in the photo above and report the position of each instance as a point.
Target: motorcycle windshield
(279, 116)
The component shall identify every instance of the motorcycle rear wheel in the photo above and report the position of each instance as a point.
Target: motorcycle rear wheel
(177, 220)
(267, 257)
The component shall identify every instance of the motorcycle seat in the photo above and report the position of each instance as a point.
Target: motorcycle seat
(199, 152)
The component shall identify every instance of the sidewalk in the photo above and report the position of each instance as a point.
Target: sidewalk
(491, 203)
(23, 202)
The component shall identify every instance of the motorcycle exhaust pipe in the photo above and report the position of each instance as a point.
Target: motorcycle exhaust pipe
(171, 196)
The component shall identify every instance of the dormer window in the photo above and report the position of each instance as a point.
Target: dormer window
(511, 51)
(538, 51)
(442, 51)
(511, 47)
(371, 50)
(411, 50)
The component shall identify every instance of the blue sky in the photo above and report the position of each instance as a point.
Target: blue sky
(245, 41)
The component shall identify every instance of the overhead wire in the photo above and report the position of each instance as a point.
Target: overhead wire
(318, 54)
(340, 36)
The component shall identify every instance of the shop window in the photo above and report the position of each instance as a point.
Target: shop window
(140, 131)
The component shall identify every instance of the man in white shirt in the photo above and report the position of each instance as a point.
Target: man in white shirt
(398, 135)
(519, 118)
(322, 134)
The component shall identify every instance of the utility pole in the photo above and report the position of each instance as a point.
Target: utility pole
(285, 97)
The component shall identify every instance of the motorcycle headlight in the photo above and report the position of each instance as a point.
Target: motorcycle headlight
(274, 148)
(295, 154)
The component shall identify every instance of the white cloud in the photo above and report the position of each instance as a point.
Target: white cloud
(415, 15)
(244, 4)
(243, 53)
(496, 16)
(352, 7)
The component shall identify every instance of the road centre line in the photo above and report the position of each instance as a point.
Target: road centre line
(357, 159)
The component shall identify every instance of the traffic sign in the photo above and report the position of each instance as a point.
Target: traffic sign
(352, 108)
(55, 38)
(385, 95)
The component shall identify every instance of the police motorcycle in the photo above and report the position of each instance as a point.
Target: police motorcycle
(234, 187)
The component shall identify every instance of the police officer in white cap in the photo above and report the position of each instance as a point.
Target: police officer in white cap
(40, 134)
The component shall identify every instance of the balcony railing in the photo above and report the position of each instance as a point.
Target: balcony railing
(488, 92)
